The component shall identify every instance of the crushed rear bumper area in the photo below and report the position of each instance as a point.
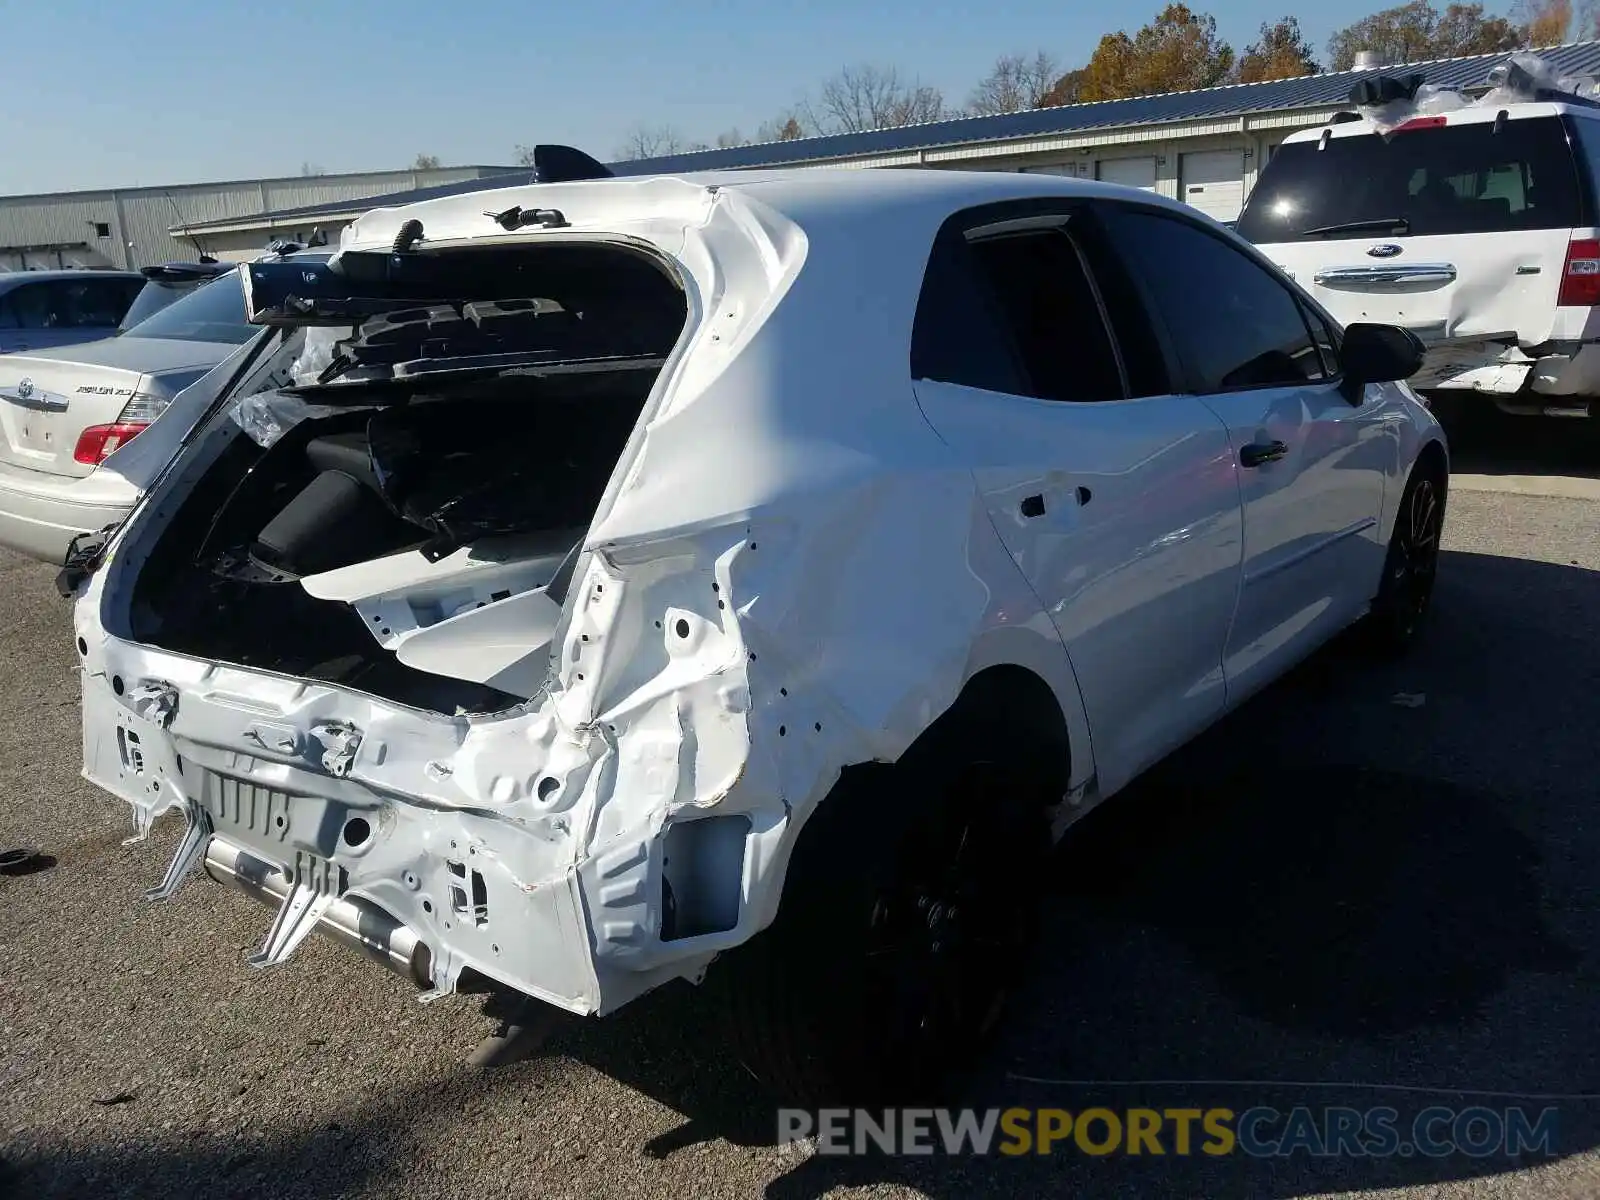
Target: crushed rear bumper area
(429, 890)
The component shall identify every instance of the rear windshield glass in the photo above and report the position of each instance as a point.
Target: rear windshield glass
(1442, 180)
(212, 312)
(152, 298)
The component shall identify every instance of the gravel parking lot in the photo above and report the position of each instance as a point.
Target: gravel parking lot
(1336, 895)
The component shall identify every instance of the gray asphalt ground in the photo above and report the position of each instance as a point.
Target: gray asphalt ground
(1332, 893)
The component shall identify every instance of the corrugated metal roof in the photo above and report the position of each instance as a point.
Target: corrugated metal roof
(1234, 100)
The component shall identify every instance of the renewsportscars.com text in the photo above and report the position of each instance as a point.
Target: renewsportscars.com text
(1258, 1132)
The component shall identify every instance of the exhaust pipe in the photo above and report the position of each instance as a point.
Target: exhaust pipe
(354, 923)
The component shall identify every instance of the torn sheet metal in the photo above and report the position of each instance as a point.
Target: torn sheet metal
(340, 741)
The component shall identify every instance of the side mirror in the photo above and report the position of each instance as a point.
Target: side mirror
(1380, 353)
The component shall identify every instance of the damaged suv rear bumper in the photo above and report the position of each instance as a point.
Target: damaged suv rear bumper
(1560, 371)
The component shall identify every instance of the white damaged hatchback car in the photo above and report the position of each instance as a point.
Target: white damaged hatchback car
(759, 568)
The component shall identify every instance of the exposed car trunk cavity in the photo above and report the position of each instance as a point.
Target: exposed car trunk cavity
(409, 528)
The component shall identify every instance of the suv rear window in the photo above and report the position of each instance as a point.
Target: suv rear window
(1443, 180)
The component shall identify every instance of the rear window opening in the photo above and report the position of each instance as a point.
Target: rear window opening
(409, 528)
(1446, 179)
(212, 311)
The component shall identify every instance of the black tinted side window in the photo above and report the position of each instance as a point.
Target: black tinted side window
(1234, 325)
(958, 336)
(96, 303)
(1054, 314)
(31, 306)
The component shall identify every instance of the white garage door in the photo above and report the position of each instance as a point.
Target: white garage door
(1130, 172)
(1213, 182)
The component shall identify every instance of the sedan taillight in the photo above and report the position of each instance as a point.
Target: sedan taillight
(96, 443)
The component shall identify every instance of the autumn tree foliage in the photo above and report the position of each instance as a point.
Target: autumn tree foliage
(1545, 22)
(1177, 52)
(1417, 32)
(1281, 53)
(1066, 90)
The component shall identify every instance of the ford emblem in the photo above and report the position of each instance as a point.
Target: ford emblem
(1387, 250)
(25, 389)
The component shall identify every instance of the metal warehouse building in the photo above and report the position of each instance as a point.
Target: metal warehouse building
(135, 227)
(1205, 148)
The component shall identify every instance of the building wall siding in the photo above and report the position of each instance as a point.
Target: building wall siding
(31, 225)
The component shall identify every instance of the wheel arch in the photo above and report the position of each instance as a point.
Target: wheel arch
(1432, 454)
(1436, 458)
(1004, 703)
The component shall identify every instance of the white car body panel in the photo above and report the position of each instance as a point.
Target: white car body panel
(1486, 304)
(1140, 535)
(1311, 522)
(794, 569)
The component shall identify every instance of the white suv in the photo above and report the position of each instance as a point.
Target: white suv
(1478, 229)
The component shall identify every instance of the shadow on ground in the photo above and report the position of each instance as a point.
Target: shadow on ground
(1329, 894)
(1486, 441)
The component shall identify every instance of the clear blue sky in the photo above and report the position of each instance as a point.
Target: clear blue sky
(148, 92)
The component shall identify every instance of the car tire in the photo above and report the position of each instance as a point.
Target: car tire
(909, 910)
(1411, 566)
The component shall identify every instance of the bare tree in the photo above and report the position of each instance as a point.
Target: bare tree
(426, 162)
(867, 97)
(730, 138)
(1015, 84)
(650, 141)
(310, 168)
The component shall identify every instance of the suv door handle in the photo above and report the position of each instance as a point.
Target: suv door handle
(1257, 453)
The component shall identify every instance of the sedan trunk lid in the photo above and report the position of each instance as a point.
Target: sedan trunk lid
(49, 399)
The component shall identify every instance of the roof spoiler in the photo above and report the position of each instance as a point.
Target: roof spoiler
(563, 164)
(180, 272)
